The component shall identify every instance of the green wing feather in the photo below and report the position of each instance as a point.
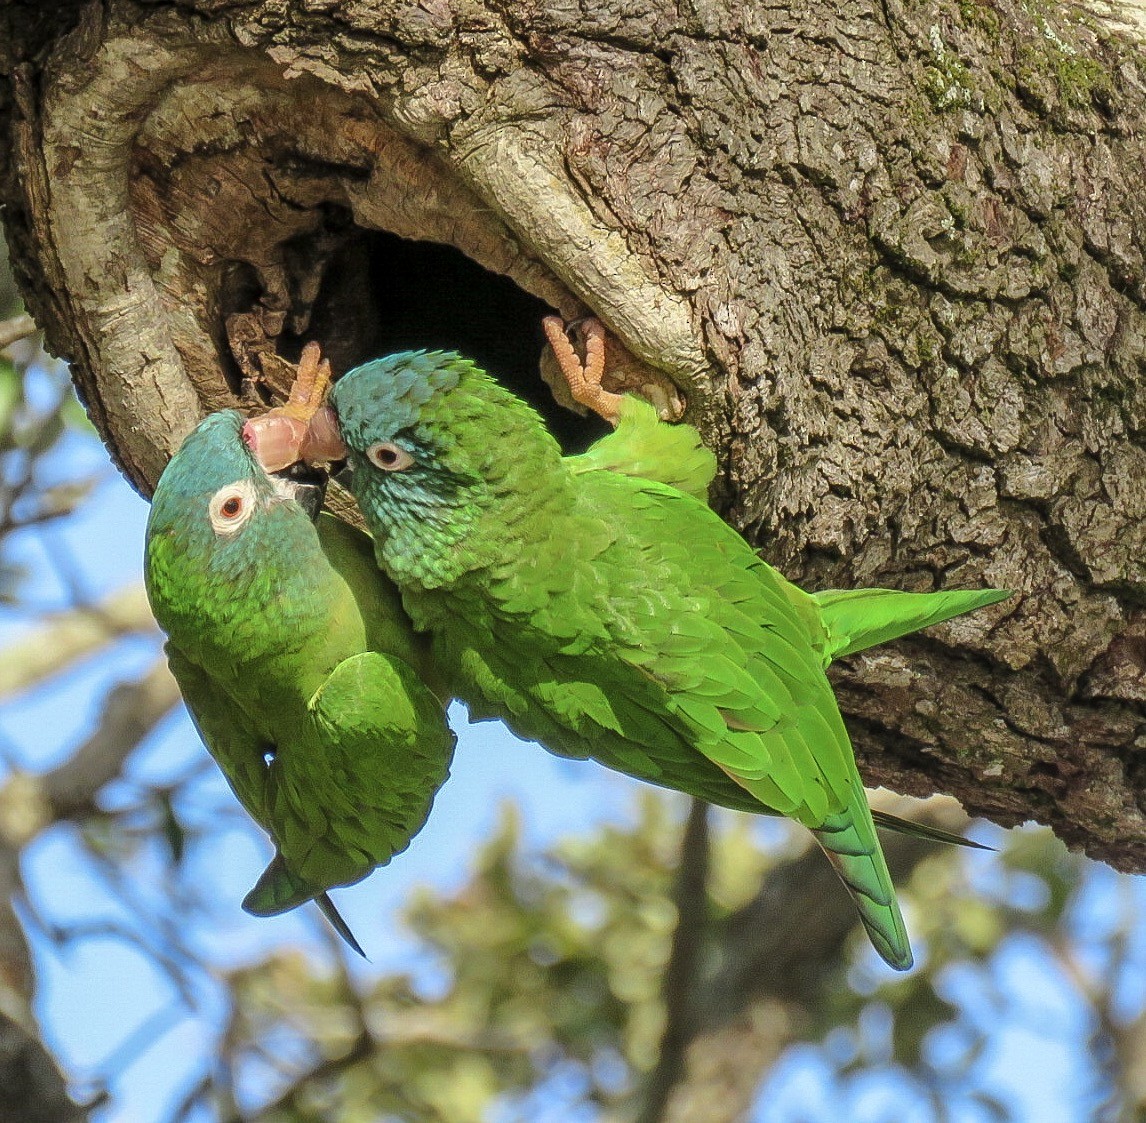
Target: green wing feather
(350, 553)
(279, 890)
(749, 682)
(358, 782)
(735, 658)
(856, 619)
(850, 843)
(230, 736)
(853, 619)
(240, 754)
(644, 445)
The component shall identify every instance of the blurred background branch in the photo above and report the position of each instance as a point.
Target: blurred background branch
(32, 1089)
(62, 638)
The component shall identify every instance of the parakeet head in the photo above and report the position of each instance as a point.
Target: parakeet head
(387, 409)
(436, 447)
(218, 521)
(214, 482)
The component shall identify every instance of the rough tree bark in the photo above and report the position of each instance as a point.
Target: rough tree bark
(891, 253)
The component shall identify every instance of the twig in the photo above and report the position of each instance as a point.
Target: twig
(39, 437)
(15, 329)
(140, 1040)
(362, 1048)
(198, 1092)
(680, 977)
(350, 994)
(111, 929)
(68, 636)
(168, 950)
(31, 1084)
(130, 712)
(43, 517)
(67, 568)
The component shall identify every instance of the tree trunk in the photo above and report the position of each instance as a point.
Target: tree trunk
(891, 254)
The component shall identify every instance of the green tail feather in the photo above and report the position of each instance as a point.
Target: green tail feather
(850, 843)
(856, 619)
(334, 918)
(278, 891)
(887, 822)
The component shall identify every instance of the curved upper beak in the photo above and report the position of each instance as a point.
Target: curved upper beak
(305, 485)
(278, 439)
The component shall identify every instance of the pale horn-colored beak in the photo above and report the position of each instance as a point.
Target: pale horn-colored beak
(304, 429)
(323, 442)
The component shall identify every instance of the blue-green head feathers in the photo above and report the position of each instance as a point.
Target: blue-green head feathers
(397, 402)
(213, 455)
(385, 396)
(219, 524)
(433, 441)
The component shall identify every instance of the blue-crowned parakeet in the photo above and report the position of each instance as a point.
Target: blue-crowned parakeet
(615, 617)
(297, 665)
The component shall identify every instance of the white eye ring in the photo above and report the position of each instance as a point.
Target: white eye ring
(389, 457)
(231, 506)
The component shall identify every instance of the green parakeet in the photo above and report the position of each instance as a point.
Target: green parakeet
(298, 666)
(614, 617)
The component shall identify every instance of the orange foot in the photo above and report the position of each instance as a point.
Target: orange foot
(584, 379)
(286, 434)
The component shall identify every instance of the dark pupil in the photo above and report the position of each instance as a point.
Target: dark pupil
(388, 455)
(232, 507)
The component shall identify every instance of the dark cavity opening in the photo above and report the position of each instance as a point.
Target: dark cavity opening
(381, 293)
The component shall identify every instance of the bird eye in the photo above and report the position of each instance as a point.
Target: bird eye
(389, 457)
(231, 506)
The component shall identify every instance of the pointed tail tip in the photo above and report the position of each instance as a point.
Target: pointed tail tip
(995, 595)
(885, 821)
(849, 841)
(334, 917)
(278, 891)
(886, 931)
(898, 958)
